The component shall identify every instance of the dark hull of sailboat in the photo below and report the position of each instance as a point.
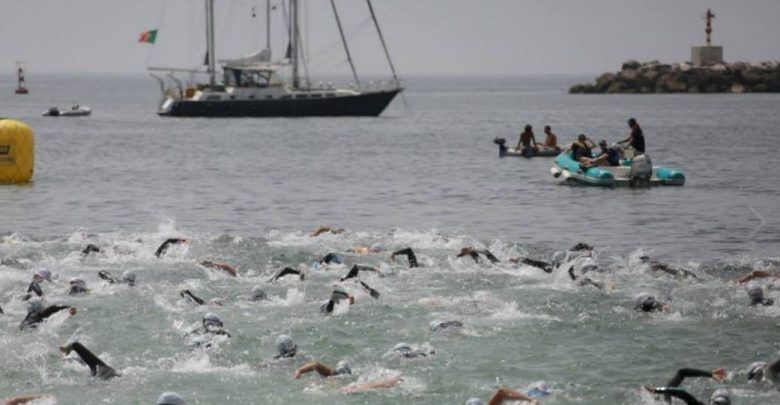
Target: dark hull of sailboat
(369, 104)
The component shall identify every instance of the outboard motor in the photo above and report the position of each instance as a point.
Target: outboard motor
(641, 171)
(501, 142)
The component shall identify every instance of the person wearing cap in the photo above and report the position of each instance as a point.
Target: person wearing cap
(97, 367)
(90, 249)
(657, 266)
(581, 149)
(342, 369)
(364, 250)
(502, 395)
(36, 313)
(756, 294)
(258, 294)
(170, 398)
(526, 139)
(760, 370)
(721, 396)
(336, 296)
(645, 302)
(441, 326)
(219, 266)
(410, 256)
(672, 388)
(128, 277)
(167, 244)
(636, 139)
(406, 351)
(35, 285)
(212, 325)
(285, 347)
(474, 254)
(550, 140)
(77, 286)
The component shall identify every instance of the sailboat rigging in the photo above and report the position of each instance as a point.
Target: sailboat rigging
(251, 86)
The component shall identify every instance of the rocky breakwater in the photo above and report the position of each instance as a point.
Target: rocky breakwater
(655, 77)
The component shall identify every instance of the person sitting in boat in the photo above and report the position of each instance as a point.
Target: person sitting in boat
(581, 149)
(550, 140)
(526, 138)
(637, 138)
(608, 157)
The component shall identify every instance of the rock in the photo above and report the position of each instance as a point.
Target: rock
(630, 65)
(737, 88)
(676, 86)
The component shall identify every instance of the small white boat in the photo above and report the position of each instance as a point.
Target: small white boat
(74, 111)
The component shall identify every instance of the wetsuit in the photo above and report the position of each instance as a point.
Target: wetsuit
(544, 266)
(583, 281)
(687, 372)
(409, 255)
(97, 367)
(90, 249)
(284, 272)
(374, 293)
(335, 298)
(638, 140)
(34, 318)
(658, 266)
(440, 326)
(353, 272)
(78, 288)
(165, 245)
(474, 254)
(330, 257)
(34, 287)
(107, 276)
(192, 297)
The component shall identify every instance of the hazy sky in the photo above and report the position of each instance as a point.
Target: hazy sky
(424, 36)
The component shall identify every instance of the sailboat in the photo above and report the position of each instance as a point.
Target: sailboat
(21, 88)
(251, 86)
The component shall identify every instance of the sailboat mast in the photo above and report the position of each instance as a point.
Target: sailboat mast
(268, 27)
(210, 56)
(344, 41)
(294, 42)
(382, 39)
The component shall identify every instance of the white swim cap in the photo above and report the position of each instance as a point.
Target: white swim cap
(756, 370)
(170, 398)
(402, 348)
(258, 294)
(128, 277)
(377, 247)
(342, 368)
(44, 274)
(721, 396)
(286, 346)
(211, 319)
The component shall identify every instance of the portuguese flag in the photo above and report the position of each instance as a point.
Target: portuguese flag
(149, 36)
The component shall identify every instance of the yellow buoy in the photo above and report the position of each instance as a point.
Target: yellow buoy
(17, 152)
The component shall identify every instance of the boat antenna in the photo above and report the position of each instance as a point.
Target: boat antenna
(268, 27)
(344, 40)
(384, 45)
(210, 57)
(294, 42)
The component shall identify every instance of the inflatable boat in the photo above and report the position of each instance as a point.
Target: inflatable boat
(541, 151)
(632, 172)
(74, 111)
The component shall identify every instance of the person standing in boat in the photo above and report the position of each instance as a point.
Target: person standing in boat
(637, 138)
(550, 140)
(526, 138)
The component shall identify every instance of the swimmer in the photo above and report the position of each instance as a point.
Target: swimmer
(35, 285)
(342, 369)
(219, 266)
(170, 398)
(286, 347)
(355, 388)
(187, 294)
(353, 272)
(474, 254)
(36, 313)
(647, 303)
(212, 325)
(336, 297)
(14, 262)
(326, 229)
(663, 267)
(285, 272)
(441, 326)
(721, 396)
(97, 367)
(501, 395)
(90, 249)
(409, 253)
(258, 294)
(25, 399)
(330, 258)
(756, 294)
(760, 371)
(406, 351)
(757, 274)
(364, 250)
(165, 245)
(544, 266)
(583, 281)
(77, 286)
(128, 277)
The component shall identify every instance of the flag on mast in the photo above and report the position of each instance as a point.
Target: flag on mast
(148, 37)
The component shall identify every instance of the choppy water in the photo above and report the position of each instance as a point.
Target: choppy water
(247, 192)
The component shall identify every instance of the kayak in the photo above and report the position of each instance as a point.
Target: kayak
(540, 151)
(74, 111)
(635, 172)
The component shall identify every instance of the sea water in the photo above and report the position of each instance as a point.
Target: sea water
(248, 192)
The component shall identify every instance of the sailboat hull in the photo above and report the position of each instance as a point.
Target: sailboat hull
(369, 104)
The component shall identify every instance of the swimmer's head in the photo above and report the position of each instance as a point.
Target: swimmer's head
(756, 371)
(377, 247)
(42, 274)
(721, 396)
(34, 305)
(285, 346)
(644, 258)
(342, 368)
(756, 294)
(538, 389)
(475, 401)
(211, 321)
(170, 398)
(646, 302)
(402, 348)
(128, 277)
(77, 282)
(465, 251)
(258, 294)
(528, 127)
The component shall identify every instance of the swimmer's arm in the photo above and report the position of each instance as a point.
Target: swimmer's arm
(506, 394)
(682, 373)
(92, 361)
(23, 399)
(34, 287)
(53, 309)
(409, 253)
(546, 267)
(389, 383)
(320, 368)
(755, 274)
(490, 256)
(675, 392)
(571, 273)
(192, 296)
